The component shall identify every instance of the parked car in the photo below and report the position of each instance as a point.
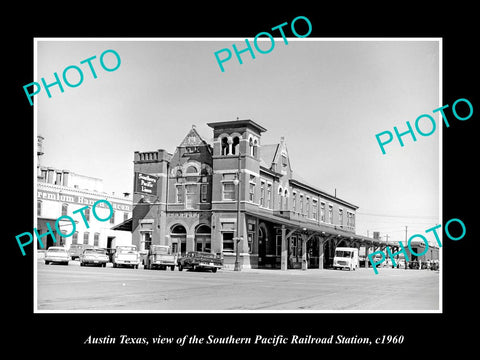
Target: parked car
(77, 249)
(160, 257)
(197, 260)
(94, 256)
(57, 254)
(126, 256)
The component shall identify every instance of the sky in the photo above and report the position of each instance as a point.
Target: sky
(328, 98)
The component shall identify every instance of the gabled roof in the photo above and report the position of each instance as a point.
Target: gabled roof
(267, 155)
(193, 138)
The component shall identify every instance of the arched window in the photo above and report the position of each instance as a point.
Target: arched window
(178, 235)
(280, 198)
(250, 146)
(203, 238)
(192, 170)
(285, 193)
(225, 147)
(235, 145)
(255, 146)
(65, 209)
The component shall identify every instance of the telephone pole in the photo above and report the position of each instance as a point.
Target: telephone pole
(406, 242)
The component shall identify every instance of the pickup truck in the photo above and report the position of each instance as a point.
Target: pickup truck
(160, 257)
(197, 260)
(126, 256)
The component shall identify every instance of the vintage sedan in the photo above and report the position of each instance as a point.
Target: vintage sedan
(57, 254)
(77, 249)
(95, 256)
(196, 260)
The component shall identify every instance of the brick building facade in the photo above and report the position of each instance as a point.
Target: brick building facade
(205, 196)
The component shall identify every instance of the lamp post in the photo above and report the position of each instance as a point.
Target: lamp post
(237, 238)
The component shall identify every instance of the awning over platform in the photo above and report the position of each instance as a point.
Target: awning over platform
(124, 226)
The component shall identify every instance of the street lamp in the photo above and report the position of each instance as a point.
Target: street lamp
(237, 238)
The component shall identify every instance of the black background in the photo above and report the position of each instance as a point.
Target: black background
(428, 334)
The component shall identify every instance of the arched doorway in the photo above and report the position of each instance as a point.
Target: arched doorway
(203, 238)
(178, 235)
(262, 244)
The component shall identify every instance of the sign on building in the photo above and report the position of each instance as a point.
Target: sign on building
(145, 183)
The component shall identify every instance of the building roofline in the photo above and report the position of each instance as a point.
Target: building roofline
(244, 122)
(323, 193)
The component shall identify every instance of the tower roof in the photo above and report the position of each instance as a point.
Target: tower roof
(237, 124)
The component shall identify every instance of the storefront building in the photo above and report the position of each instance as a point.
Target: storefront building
(238, 193)
(61, 192)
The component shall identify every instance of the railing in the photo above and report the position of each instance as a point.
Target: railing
(148, 156)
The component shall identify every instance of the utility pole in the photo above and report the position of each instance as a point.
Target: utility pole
(406, 242)
(237, 238)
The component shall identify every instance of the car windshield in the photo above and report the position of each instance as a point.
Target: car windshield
(56, 250)
(209, 255)
(343, 253)
(127, 250)
(160, 249)
(95, 251)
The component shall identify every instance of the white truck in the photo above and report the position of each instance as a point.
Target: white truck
(346, 257)
(126, 256)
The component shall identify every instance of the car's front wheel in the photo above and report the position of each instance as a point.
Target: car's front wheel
(180, 267)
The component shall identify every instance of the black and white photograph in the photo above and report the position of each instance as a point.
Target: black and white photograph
(226, 181)
(228, 185)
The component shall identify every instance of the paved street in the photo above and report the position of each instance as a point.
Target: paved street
(91, 288)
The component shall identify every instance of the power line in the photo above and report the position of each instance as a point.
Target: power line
(399, 216)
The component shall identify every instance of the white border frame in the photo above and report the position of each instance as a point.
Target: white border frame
(339, 39)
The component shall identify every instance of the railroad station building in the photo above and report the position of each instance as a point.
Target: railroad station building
(238, 192)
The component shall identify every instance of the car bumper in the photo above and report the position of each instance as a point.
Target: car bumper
(208, 265)
(94, 261)
(127, 262)
(56, 259)
(163, 263)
